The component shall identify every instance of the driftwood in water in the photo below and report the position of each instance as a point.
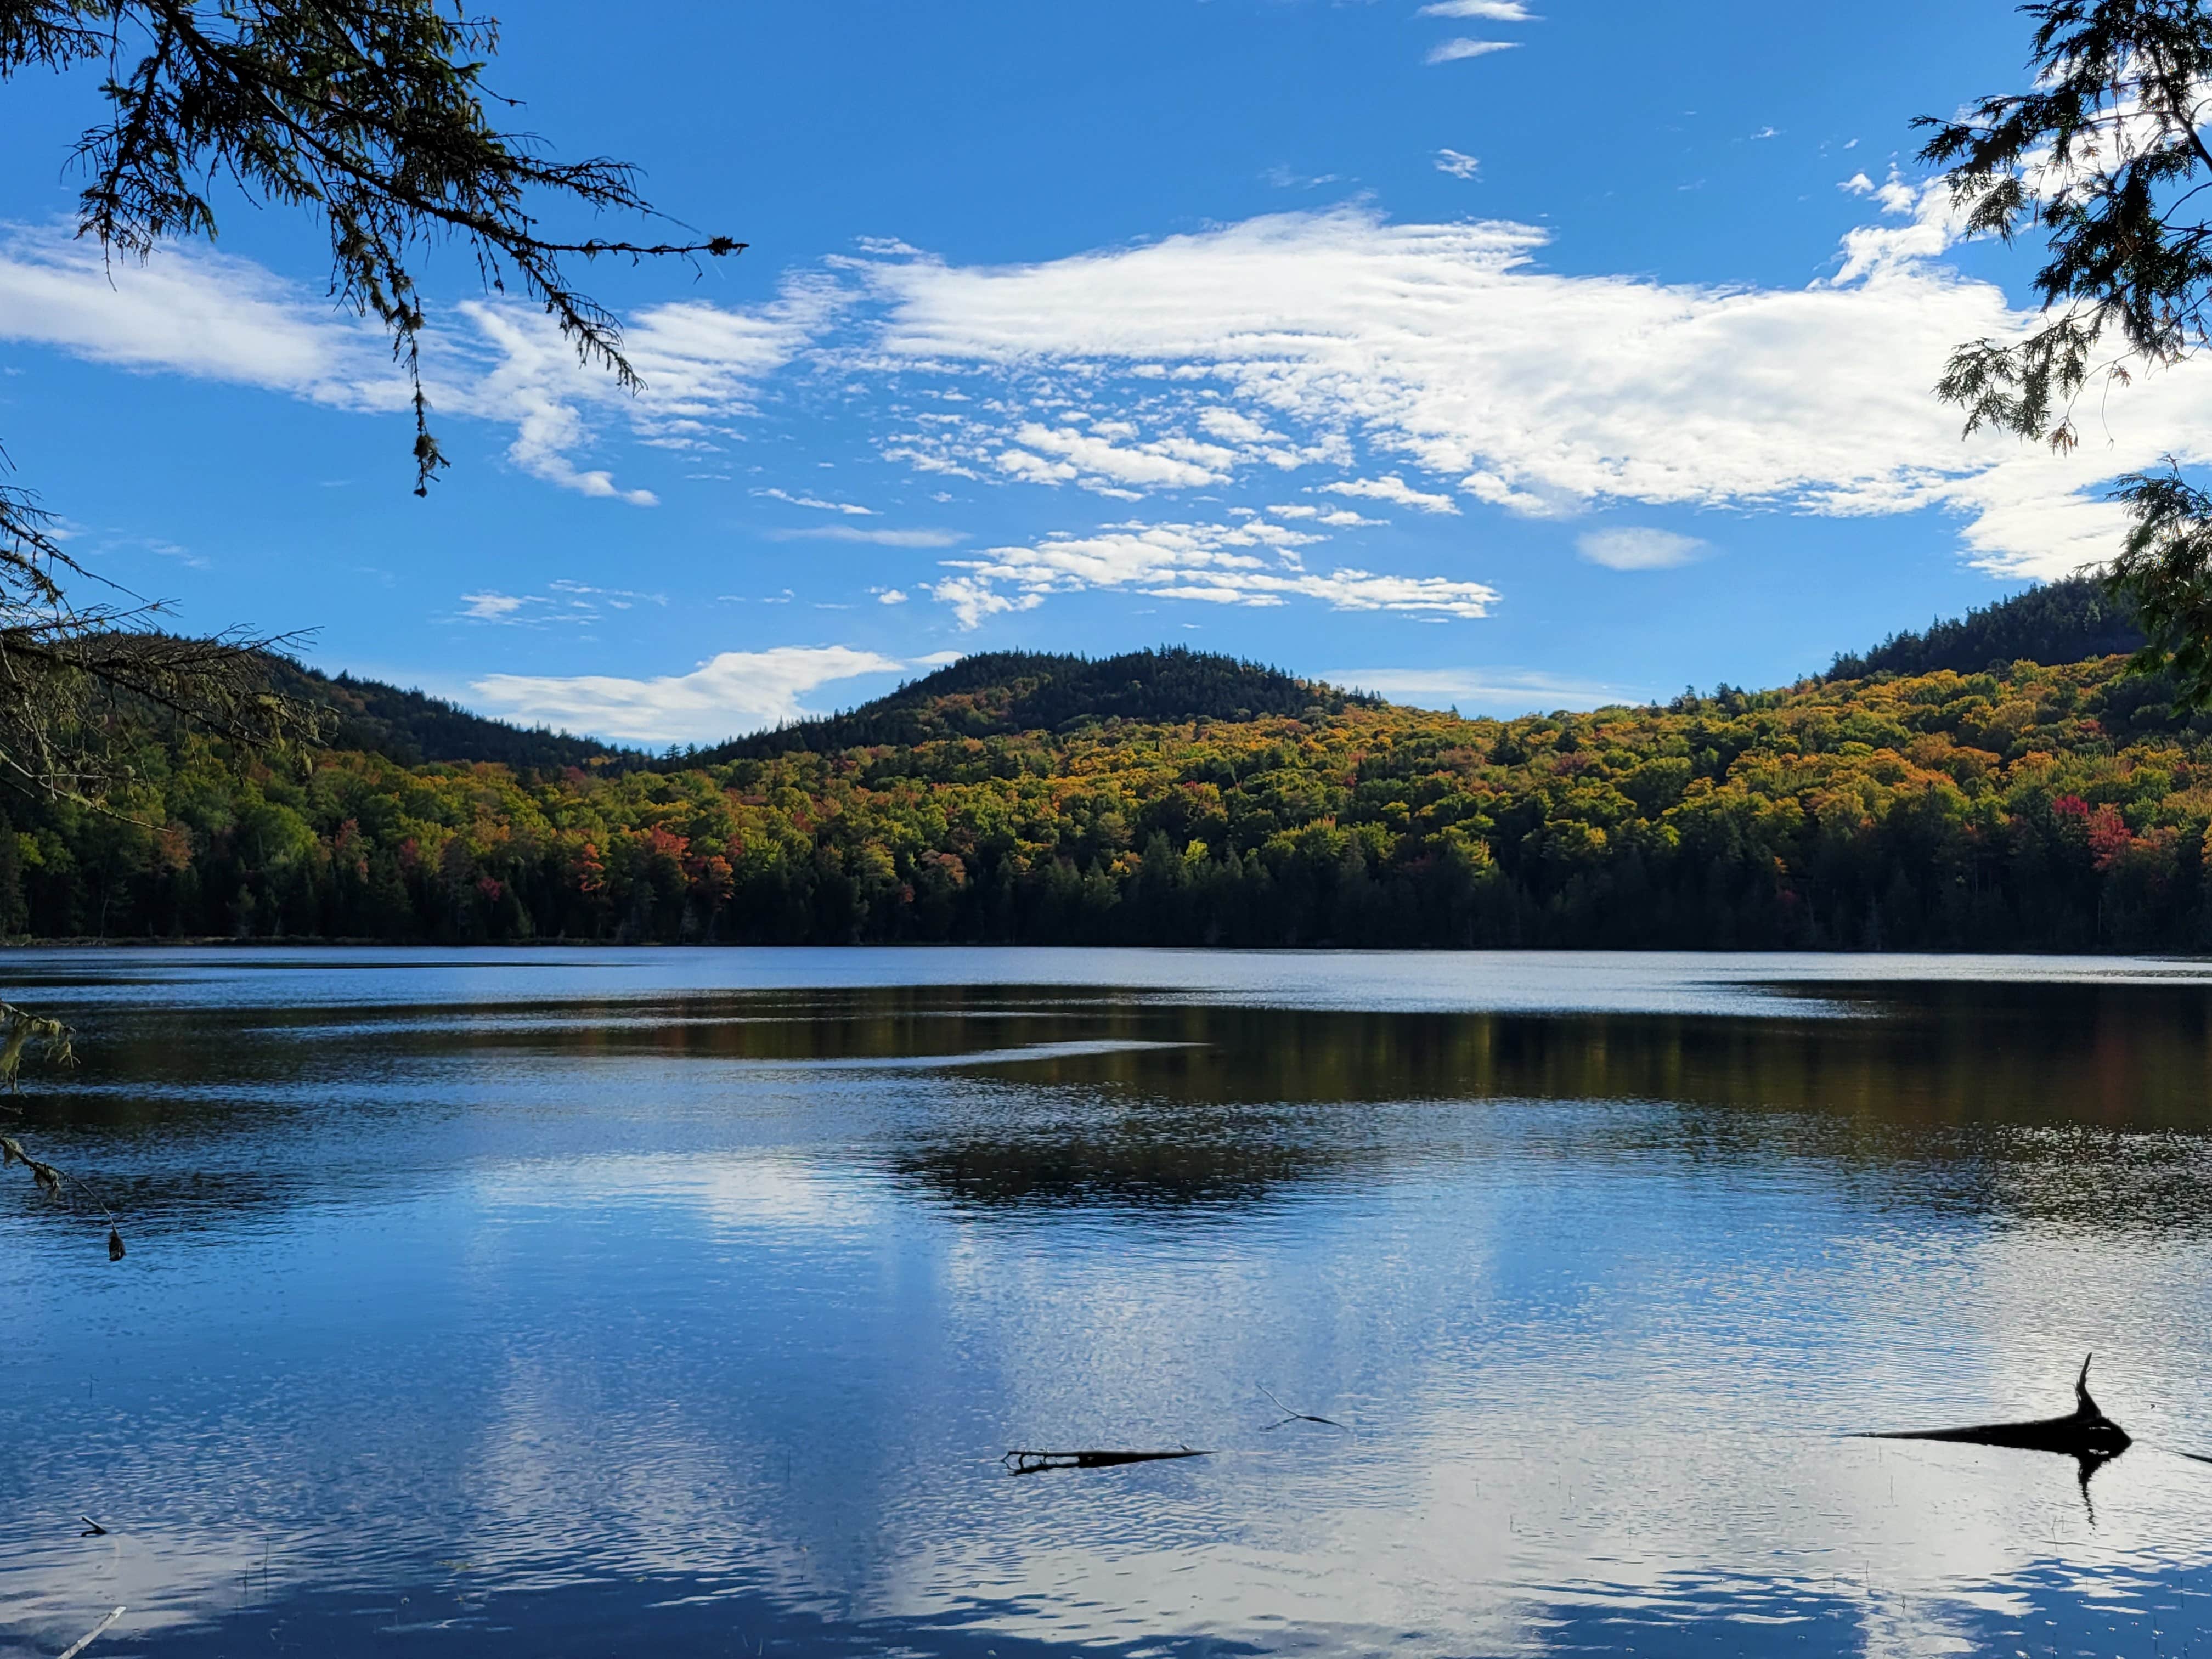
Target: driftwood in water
(2084, 1432)
(92, 1635)
(1290, 1416)
(1037, 1463)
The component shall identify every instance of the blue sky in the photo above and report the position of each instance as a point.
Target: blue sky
(1493, 354)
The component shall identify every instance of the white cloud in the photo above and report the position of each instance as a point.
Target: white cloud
(1495, 11)
(1452, 52)
(1490, 690)
(841, 533)
(699, 364)
(890, 596)
(738, 692)
(567, 604)
(1392, 489)
(188, 311)
(1460, 166)
(584, 596)
(491, 607)
(1249, 563)
(1064, 455)
(972, 598)
(1634, 548)
(1446, 349)
(1441, 355)
(850, 510)
(192, 312)
(1230, 427)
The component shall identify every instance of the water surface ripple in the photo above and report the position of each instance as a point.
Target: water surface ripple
(561, 1301)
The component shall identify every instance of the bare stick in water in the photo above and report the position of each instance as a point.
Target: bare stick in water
(93, 1634)
(1290, 1416)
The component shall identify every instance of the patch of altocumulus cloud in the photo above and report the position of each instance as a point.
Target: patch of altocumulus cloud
(1500, 691)
(737, 692)
(1457, 164)
(1634, 548)
(1248, 563)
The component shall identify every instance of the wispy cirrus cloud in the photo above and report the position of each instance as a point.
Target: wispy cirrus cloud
(200, 313)
(564, 602)
(840, 532)
(816, 503)
(193, 312)
(1494, 11)
(1504, 691)
(1458, 50)
(1337, 349)
(1448, 350)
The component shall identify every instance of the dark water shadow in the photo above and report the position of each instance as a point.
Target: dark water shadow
(668, 1616)
(2081, 1106)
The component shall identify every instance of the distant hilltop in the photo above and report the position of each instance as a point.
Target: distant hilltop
(999, 693)
(2061, 622)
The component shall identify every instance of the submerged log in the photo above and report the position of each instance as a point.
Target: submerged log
(1037, 1463)
(2085, 1432)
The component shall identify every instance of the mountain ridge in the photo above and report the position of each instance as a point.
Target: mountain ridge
(999, 693)
(1002, 693)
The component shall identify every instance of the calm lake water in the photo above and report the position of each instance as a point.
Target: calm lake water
(563, 1303)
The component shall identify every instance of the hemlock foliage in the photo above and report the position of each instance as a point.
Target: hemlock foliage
(2104, 157)
(372, 117)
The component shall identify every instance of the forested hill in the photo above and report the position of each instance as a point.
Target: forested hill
(412, 727)
(2040, 808)
(1001, 693)
(2060, 622)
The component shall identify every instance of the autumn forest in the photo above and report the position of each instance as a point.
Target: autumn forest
(2034, 807)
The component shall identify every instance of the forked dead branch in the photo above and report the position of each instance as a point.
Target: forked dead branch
(58, 1043)
(1290, 1416)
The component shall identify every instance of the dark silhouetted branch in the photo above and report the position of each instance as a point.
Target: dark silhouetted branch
(1290, 1416)
(1037, 1463)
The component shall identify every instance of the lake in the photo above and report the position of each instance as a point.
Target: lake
(600, 1302)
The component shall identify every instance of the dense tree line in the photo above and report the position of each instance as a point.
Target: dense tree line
(413, 726)
(999, 693)
(2065, 620)
(2036, 808)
